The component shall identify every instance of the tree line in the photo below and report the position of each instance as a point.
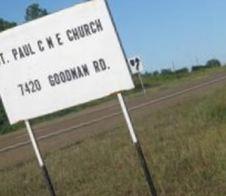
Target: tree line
(212, 63)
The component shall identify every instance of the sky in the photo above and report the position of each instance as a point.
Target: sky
(164, 33)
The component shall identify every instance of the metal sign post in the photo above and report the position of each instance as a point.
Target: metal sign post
(137, 145)
(40, 159)
(141, 82)
(129, 122)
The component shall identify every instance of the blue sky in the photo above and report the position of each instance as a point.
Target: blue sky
(161, 32)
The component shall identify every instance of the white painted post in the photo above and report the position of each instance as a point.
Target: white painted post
(129, 122)
(137, 145)
(142, 83)
(127, 118)
(40, 160)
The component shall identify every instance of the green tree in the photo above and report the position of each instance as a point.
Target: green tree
(213, 63)
(6, 25)
(156, 73)
(34, 11)
(4, 124)
(166, 71)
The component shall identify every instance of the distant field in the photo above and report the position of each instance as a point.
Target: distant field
(184, 142)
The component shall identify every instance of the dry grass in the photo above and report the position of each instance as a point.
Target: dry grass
(185, 146)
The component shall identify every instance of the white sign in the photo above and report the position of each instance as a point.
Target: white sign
(135, 65)
(61, 60)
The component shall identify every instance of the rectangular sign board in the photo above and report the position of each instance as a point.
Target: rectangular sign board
(61, 60)
(135, 65)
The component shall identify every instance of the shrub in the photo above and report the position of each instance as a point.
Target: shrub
(213, 63)
(198, 67)
(182, 71)
(166, 72)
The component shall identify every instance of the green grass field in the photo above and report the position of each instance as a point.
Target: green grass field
(184, 143)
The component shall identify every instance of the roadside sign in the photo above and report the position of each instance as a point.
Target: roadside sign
(135, 65)
(61, 60)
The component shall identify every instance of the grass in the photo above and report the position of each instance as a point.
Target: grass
(174, 79)
(184, 143)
